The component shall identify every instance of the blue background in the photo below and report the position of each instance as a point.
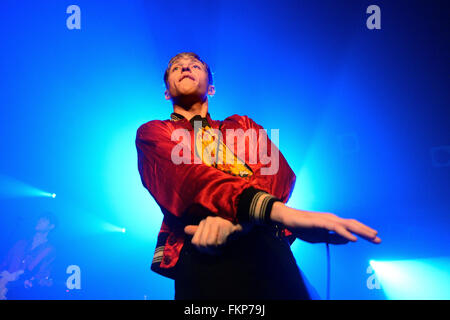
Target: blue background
(363, 118)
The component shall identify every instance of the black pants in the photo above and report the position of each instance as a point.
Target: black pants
(257, 265)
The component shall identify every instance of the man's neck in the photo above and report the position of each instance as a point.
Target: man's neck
(198, 108)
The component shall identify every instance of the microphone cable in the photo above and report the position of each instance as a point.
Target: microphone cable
(328, 270)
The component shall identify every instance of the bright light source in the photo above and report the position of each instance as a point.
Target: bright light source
(420, 279)
(112, 228)
(47, 194)
(11, 187)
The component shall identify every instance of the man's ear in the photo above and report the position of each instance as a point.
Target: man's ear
(211, 90)
(167, 95)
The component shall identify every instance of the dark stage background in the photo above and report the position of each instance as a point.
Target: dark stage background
(363, 118)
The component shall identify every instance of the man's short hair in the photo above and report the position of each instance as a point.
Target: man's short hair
(187, 54)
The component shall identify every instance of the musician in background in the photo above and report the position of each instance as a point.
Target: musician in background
(26, 271)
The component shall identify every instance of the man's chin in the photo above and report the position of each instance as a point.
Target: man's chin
(188, 98)
(189, 91)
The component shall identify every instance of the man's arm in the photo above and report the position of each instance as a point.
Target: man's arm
(314, 227)
(308, 225)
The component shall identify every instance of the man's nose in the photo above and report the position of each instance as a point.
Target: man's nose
(185, 68)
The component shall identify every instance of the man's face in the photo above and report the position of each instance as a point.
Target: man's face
(188, 77)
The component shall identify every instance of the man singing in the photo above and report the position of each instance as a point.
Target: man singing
(226, 231)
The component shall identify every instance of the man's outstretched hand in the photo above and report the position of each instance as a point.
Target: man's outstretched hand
(318, 227)
(212, 233)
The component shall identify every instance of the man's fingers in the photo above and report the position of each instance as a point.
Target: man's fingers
(346, 227)
(196, 239)
(212, 236)
(339, 229)
(363, 231)
(367, 231)
(203, 240)
(212, 233)
(335, 238)
(335, 230)
(190, 230)
(346, 232)
(376, 240)
(364, 226)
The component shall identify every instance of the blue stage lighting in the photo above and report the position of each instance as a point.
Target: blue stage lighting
(112, 228)
(11, 187)
(419, 279)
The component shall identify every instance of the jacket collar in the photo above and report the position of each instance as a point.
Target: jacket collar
(207, 121)
(176, 116)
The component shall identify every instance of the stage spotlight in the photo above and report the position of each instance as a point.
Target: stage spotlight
(10, 187)
(419, 279)
(112, 228)
(46, 194)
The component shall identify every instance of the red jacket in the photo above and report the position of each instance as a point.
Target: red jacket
(188, 193)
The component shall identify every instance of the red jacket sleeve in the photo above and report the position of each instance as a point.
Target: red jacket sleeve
(180, 187)
(273, 181)
(281, 182)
